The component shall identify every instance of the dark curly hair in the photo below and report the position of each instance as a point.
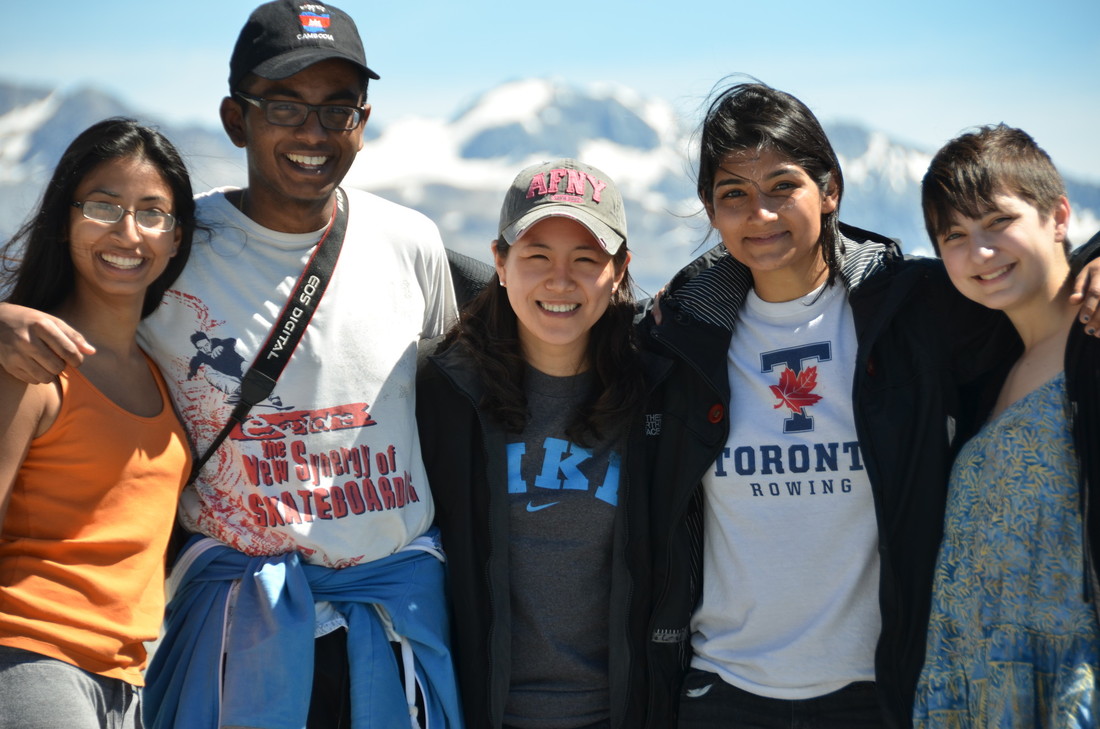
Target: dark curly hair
(488, 332)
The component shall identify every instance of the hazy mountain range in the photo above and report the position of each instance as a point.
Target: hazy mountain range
(456, 169)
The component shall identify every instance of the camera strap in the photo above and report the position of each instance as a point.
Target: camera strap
(259, 382)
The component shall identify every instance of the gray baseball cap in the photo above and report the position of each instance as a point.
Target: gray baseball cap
(569, 189)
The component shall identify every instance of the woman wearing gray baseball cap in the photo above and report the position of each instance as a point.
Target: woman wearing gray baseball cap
(530, 423)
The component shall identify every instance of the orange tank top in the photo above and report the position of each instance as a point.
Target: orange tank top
(82, 545)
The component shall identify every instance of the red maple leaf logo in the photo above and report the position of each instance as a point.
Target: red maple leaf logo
(796, 391)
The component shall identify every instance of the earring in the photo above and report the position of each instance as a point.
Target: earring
(503, 285)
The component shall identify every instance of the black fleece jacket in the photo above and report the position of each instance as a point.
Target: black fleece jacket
(921, 345)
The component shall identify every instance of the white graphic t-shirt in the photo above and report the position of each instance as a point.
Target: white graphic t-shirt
(790, 583)
(329, 465)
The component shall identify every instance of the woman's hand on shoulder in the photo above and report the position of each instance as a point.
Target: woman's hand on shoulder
(1086, 291)
(35, 347)
(656, 310)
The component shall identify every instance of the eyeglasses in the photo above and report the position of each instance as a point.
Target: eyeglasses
(105, 212)
(293, 113)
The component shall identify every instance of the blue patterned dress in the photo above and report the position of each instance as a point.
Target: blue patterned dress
(1011, 641)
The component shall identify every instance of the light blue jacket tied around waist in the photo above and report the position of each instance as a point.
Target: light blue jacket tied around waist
(268, 644)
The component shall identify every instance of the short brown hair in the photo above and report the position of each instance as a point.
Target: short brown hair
(973, 167)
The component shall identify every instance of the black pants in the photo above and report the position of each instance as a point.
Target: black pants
(708, 702)
(330, 703)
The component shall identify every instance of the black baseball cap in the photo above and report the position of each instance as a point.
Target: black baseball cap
(285, 36)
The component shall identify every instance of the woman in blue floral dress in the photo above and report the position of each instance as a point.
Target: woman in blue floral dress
(1013, 638)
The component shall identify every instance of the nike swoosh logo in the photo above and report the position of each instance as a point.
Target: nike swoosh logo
(531, 507)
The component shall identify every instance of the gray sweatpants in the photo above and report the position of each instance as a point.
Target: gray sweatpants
(37, 692)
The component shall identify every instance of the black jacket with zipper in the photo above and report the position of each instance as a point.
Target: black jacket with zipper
(464, 454)
(922, 347)
(1082, 366)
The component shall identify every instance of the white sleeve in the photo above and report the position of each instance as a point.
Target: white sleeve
(440, 308)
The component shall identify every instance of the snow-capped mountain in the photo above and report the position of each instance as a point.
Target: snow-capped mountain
(36, 125)
(456, 169)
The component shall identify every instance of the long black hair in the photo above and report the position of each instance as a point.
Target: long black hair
(754, 116)
(37, 261)
(489, 333)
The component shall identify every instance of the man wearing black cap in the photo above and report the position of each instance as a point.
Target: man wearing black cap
(337, 481)
(312, 521)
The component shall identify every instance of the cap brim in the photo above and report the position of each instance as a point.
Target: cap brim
(288, 64)
(609, 240)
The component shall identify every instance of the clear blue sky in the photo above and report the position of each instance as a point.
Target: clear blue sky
(921, 71)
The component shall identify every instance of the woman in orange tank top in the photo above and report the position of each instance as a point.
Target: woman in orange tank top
(92, 461)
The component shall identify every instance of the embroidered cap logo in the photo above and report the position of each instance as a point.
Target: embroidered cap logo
(575, 190)
(313, 22)
(566, 188)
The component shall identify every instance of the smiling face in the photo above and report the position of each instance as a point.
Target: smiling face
(559, 282)
(121, 259)
(293, 172)
(768, 211)
(1011, 257)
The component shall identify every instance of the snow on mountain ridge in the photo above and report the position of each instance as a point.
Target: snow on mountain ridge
(455, 170)
(515, 102)
(657, 113)
(16, 129)
(522, 118)
(427, 164)
(414, 152)
(886, 161)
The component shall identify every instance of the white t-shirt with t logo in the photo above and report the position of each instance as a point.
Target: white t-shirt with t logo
(790, 586)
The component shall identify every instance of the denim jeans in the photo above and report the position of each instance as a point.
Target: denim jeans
(708, 702)
(37, 692)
